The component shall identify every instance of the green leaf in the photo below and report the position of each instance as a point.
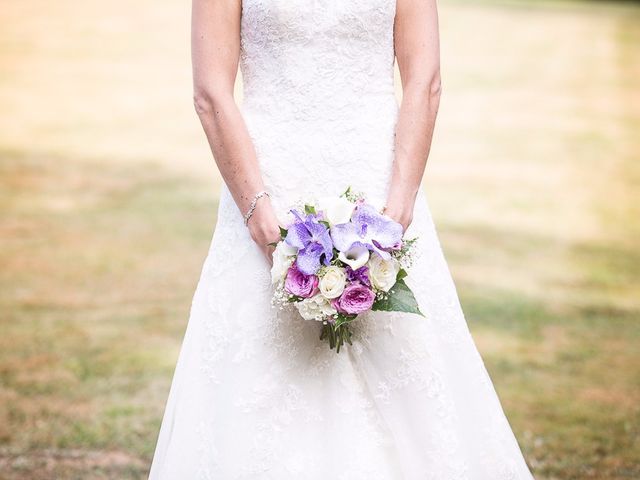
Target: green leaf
(399, 299)
(343, 319)
(309, 209)
(401, 274)
(283, 232)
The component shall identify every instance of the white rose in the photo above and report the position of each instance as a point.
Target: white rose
(382, 272)
(333, 281)
(283, 257)
(315, 308)
(336, 209)
(355, 257)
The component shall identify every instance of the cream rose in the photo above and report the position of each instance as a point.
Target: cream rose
(382, 272)
(315, 308)
(332, 282)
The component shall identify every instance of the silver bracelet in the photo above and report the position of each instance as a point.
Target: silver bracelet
(254, 202)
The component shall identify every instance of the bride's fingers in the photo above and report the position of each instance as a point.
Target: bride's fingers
(268, 250)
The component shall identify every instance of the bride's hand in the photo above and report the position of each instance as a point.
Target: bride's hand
(400, 210)
(264, 227)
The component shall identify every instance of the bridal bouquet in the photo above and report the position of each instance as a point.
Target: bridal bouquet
(340, 258)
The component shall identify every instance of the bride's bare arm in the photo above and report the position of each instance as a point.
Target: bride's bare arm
(417, 50)
(215, 51)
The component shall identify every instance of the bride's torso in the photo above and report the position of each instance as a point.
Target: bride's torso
(318, 92)
(316, 60)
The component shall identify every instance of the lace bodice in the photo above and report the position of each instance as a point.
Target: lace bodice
(316, 60)
(321, 69)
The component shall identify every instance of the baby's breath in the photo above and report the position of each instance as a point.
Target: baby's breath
(352, 196)
(321, 271)
(281, 298)
(407, 254)
(382, 295)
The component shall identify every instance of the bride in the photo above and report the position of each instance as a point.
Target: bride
(256, 394)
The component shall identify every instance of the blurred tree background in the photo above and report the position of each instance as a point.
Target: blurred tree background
(108, 198)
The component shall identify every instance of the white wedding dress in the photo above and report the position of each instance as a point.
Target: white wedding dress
(255, 394)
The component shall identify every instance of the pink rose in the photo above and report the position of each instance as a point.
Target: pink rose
(300, 284)
(355, 299)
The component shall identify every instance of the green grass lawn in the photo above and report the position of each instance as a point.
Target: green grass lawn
(108, 200)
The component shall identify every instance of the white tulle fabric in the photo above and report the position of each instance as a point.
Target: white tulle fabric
(255, 394)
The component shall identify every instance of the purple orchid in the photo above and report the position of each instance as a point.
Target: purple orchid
(369, 229)
(312, 240)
